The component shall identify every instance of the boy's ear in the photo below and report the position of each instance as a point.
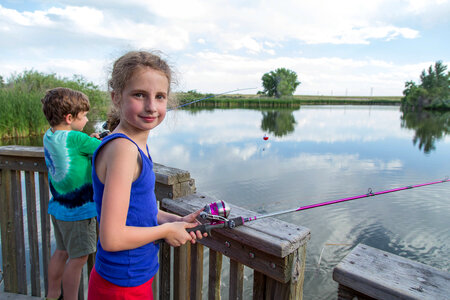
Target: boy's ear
(68, 119)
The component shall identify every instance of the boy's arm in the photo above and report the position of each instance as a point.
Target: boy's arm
(86, 144)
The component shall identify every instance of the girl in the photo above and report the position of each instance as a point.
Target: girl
(124, 183)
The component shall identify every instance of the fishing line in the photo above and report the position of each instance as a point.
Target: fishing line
(105, 124)
(211, 96)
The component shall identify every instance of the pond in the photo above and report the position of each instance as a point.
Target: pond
(316, 154)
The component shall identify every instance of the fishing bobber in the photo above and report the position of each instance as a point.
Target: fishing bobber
(265, 137)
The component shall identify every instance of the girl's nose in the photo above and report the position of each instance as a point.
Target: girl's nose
(151, 105)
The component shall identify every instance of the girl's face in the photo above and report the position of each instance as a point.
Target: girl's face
(143, 101)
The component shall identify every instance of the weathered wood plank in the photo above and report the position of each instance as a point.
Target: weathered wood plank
(215, 273)
(297, 260)
(164, 271)
(279, 238)
(196, 274)
(261, 245)
(236, 291)
(45, 224)
(22, 163)
(170, 176)
(181, 272)
(382, 275)
(259, 285)
(16, 191)
(25, 151)
(9, 261)
(33, 238)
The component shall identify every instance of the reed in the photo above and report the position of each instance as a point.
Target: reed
(20, 101)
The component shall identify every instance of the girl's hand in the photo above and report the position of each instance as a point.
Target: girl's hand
(177, 234)
(192, 218)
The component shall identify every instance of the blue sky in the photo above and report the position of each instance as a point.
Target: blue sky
(346, 47)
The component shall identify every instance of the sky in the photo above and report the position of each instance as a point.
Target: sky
(339, 48)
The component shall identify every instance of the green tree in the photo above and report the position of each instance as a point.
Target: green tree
(280, 122)
(433, 91)
(281, 82)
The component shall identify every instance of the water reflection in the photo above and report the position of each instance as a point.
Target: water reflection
(278, 122)
(319, 153)
(429, 127)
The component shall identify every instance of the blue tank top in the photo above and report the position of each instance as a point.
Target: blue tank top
(132, 267)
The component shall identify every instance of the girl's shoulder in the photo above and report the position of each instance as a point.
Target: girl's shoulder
(121, 147)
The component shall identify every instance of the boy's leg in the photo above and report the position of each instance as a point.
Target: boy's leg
(56, 268)
(80, 239)
(57, 263)
(71, 277)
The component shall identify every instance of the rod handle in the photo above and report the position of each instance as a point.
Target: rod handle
(203, 228)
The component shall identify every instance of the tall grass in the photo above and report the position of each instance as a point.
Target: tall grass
(20, 101)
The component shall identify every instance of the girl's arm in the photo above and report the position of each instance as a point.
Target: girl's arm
(118, 166)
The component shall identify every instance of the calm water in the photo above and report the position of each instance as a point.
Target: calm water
(321, 153)
(316, 154)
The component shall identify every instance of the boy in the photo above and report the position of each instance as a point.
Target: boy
(68, 154)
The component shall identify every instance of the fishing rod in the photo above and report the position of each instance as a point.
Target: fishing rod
(105, 124)
(217, 212)
(211, 96)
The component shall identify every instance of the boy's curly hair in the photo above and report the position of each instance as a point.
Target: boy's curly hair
(59, 102)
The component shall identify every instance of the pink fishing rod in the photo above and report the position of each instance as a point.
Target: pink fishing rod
(217, 212)
(369, 194)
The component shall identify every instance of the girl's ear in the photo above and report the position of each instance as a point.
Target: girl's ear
(115, 98)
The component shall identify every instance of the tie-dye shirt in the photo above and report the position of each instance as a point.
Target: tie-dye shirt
(68, 155)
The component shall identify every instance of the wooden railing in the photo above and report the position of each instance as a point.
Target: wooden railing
(271, 251)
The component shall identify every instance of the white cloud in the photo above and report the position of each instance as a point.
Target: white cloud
(223, 45)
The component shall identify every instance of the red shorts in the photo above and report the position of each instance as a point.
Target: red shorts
(100, 288)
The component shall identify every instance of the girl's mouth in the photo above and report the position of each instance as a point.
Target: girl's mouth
(148, 119)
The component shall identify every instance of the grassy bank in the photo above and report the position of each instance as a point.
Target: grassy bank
(21, 114)
(20, 102)
(255, 101)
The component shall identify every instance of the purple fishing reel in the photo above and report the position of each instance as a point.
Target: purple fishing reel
(216, 211)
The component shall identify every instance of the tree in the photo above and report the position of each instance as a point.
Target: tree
(433, 91)
(281, 82)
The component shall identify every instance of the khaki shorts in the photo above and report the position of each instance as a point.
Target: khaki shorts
(78, 238)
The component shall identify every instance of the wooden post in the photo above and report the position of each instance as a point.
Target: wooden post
(181, 267)
(278, 259)
(33, 240)
(196, 274)
(236, 291)
(214, 276)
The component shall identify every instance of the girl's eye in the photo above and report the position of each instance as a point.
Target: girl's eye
(161, 97)
(139, 95)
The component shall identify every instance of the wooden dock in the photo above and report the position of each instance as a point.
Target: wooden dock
(370, 273)
(274, 250)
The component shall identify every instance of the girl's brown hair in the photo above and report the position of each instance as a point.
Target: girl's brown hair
(123, 70)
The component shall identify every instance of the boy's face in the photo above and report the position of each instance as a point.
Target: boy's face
(79, 121)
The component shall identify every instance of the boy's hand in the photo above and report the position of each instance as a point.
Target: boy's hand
(95, 134)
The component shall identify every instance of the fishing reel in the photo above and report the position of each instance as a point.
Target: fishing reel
(217, 212)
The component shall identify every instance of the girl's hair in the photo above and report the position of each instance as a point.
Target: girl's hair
(59, 102)
(123, 70)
